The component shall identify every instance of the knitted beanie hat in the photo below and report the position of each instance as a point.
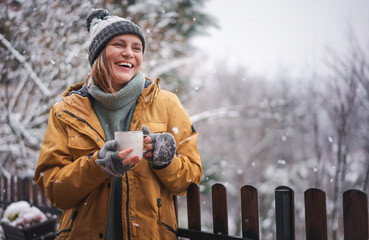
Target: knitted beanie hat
(102, 27)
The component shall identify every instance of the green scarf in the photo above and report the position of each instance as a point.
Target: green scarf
(115, 110)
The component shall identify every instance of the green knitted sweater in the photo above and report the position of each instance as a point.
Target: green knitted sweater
(115, 114)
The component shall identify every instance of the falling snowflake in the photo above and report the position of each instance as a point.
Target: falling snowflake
(175, 130)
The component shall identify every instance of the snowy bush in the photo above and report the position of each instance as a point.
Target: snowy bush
(21, 214)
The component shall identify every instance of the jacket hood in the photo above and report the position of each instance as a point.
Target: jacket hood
(72, 88)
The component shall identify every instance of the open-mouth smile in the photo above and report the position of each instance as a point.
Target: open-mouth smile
(125, 64)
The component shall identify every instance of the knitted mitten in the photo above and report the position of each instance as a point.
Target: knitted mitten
(109, 160)
(164, 148)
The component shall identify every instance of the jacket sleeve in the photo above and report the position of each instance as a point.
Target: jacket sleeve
(64, 180)
(186, 166)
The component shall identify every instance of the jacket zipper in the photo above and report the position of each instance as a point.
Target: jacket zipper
(127, 209)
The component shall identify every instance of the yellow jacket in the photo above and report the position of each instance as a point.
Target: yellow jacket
(69, 176)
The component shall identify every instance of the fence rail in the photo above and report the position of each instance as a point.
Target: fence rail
(355, 211)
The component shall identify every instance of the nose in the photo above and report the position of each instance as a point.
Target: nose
(127, 52)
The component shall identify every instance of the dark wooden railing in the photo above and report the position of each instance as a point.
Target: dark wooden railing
(355, 214)
(355, 211)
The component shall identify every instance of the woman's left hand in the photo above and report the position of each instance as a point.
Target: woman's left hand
(161, 147)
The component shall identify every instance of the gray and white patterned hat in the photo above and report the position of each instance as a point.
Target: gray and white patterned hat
(103, 26)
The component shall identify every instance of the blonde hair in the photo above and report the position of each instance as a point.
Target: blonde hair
(101, 73)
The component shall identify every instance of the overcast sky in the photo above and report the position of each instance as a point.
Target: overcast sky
(272, 36)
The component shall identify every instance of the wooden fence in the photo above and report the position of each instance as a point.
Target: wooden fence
(16, 189)
(355, 214)
(355, 211)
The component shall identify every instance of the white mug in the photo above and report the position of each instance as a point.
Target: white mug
(133, 139)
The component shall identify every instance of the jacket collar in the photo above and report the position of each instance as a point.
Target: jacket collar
(150, 92)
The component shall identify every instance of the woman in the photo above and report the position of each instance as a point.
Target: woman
(103, 193)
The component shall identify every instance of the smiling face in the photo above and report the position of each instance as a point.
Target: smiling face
(124, 57)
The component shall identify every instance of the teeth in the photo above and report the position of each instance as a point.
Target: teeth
(125, 64)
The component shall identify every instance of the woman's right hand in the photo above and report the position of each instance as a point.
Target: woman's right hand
(113, 163)
(131, 160)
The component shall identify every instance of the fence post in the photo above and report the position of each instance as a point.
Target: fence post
(315, 214)
(3, 190)
(6, 189)
(355, 215)
(193, 207)
(220, 212)
(20, 193)
(2, 187)
(13, 196)
(285, 213)
(35, 194)
(250, 212)
(27, 189)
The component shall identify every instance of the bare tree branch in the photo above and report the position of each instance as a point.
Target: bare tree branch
(22, 60)
(226, 112)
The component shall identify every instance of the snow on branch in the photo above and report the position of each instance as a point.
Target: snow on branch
(20, 130)
(3, 171)
(22, 60)
(173, 64)
(264, 111)
(224, 112)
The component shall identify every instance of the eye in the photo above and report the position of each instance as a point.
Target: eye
(117, 44)
(137, 47)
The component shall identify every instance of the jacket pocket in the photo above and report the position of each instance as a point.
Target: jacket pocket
(80, 145)
(68, 226)
(156, 127)
(64, 234)
(163, 224)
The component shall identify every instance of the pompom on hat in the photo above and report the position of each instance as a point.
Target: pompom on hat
(103, 26)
